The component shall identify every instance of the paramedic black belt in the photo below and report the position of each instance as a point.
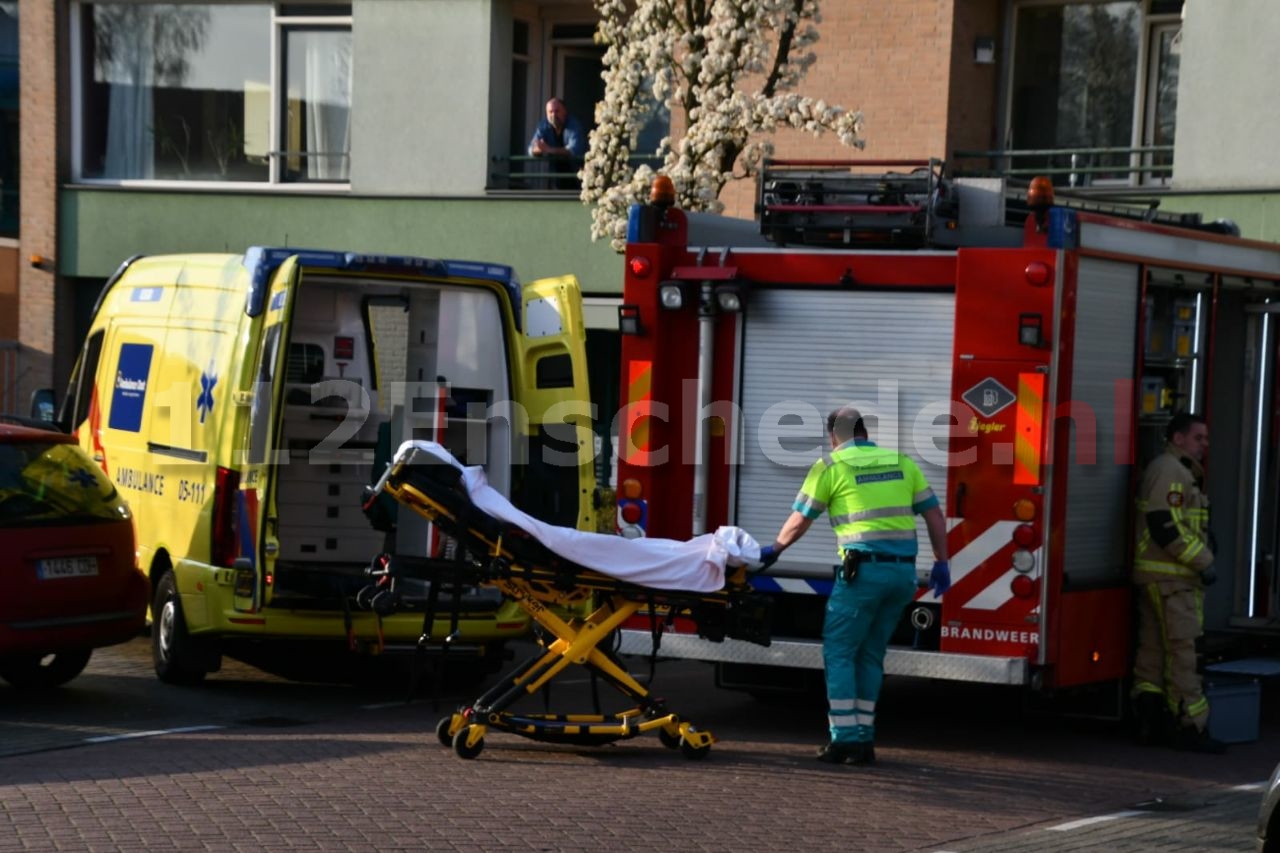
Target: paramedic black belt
(870, 557)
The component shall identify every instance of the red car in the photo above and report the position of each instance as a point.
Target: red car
(69, 579)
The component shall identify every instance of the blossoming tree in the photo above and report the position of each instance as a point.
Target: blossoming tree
(728, 68)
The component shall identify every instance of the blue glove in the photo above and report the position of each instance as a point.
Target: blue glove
(1209, 576)
(768, 556)
(940, 577)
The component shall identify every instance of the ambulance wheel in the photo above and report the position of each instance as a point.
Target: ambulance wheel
(176, 657)
(669, 740)
(442, 731)
(693, 753)
(460, 744)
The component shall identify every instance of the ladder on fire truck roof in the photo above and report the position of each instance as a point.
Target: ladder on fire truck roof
(856, 203)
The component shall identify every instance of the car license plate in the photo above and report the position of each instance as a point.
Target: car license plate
(67, 567)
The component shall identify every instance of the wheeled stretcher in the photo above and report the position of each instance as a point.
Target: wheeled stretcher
(550, 588)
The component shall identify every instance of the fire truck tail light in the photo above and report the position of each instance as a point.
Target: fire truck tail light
(1024, 509)
(1026, 536)
(630, 489)
(1023, 561)
(632, 513)
(1037, 273)
(640, 267)
(1023, 587)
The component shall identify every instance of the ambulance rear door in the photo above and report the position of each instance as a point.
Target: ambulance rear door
(257, 521)
(559, 479)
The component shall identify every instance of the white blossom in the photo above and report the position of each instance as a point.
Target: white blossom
(697, 59)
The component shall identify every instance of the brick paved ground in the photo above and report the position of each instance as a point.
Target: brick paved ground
(961, 769)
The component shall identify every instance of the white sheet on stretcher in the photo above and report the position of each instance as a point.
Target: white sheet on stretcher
(697, 565)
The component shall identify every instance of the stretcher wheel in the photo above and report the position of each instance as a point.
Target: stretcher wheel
(691, 752)
(669, 740)
(442, 732)
(460, 744)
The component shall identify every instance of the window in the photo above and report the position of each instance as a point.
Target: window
(1078, 82)
(170, 92)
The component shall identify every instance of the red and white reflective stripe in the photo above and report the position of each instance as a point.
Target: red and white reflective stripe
(995, 596)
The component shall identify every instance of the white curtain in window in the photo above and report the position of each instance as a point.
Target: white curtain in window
(130, 151)
(327, 94)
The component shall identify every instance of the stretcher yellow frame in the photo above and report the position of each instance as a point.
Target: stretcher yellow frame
(550, 588)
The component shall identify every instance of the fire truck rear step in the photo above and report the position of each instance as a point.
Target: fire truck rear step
(982, 669)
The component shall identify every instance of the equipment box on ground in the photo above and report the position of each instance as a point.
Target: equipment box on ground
(1234, 709)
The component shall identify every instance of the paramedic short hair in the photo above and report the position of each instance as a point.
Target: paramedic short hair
(846, 423)
(1180, 423)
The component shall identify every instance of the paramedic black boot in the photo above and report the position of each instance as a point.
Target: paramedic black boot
(1154, 725)
(857, 754)
(1191, 739)
(838, 753)
(864, 755)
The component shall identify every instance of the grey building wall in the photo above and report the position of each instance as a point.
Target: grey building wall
(420, 96)
(1228, 122)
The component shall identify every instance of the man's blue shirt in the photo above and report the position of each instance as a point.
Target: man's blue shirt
(573, 138)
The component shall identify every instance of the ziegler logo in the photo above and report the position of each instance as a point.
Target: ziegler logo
(977, 426)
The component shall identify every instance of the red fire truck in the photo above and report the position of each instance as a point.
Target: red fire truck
(1026, 354)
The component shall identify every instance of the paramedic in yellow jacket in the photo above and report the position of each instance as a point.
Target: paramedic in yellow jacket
(1173, 565)
(872, 496)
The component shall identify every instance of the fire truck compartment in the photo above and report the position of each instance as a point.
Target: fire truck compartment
(806, 352)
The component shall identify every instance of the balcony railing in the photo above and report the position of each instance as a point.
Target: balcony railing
(1150, 165)
(520, 172)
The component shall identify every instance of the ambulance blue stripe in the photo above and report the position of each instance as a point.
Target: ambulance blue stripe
(811, 586)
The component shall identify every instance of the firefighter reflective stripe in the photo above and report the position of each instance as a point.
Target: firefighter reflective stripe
(636, 449)
(1162, 568)
(1170, 486)
(1028, 435)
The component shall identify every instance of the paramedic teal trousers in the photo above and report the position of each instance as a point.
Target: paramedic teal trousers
(861, 616)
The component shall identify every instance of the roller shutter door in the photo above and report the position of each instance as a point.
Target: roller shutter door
(1097, 529)
(807, 352)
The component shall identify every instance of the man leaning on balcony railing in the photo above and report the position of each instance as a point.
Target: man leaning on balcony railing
(560, 137)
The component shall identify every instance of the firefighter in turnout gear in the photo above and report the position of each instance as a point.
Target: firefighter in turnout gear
(871, 496)
(1174, 564)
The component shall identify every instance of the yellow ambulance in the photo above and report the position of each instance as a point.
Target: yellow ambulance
(242, 403)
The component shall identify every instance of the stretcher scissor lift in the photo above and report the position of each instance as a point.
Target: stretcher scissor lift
(548, 588)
